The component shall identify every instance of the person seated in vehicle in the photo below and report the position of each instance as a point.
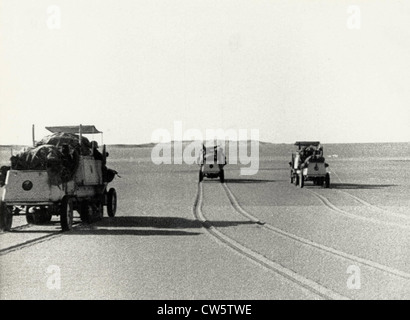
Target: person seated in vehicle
(54, 168)
(108, 174)
(94, 151)
(3, 174)
(219, 155)
(302, 155)
(69, 161)
(316, 157)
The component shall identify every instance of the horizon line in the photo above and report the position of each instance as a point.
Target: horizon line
(190, 141)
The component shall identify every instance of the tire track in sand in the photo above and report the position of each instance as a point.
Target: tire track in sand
(369, 205)
(304, 283)
(334, 208)
(332, 251)
(32, 242)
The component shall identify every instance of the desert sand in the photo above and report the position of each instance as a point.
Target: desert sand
(253, 237)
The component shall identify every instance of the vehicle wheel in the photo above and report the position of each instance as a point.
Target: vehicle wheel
(98, 211)
(222, 176)
(6, 217)
(41, 217)
(201, 175)
(320, 182)
(291, 177)
(301, 180)
(327, 181)
(29, 216)
(46, 216)
(38, 218)
(86, 214)
(111, 202)
(66, 214)
(296, 180)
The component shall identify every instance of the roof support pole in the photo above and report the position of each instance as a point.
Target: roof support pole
(33, 135)
(81, 134)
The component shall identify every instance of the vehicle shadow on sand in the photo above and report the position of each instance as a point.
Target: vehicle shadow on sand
(137, 226)
(160, 226)
(93, 230)
(360, 186)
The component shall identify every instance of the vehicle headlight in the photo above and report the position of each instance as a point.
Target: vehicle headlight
(27, 185)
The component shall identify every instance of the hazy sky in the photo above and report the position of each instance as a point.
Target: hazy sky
(292, 69)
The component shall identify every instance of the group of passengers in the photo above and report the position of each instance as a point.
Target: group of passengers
(310, 154)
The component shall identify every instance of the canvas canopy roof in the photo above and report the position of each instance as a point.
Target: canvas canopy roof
(85, 129)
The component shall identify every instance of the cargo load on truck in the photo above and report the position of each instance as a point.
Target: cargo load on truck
(59, 139)
(58, 154)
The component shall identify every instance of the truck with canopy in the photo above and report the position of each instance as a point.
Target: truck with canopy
(62, 173)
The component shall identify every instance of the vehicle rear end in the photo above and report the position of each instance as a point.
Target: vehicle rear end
(31, 192)
(314, 170)
(317, 172)
(212, 163)
(29, 187)
(210, 166)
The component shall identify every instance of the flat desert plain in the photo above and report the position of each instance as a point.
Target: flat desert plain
(252, 237)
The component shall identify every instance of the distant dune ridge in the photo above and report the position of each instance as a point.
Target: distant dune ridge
(184, 143)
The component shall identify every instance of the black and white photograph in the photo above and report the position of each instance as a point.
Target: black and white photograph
(222, 151)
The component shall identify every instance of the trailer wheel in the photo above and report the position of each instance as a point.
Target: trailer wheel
(222, 176)
(111, 202)
(66, 214)
(6, 217)
(301, 180)
(327, 181)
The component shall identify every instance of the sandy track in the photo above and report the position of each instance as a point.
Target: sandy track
(325, 200)
(308, 242)
(258, 258)
(325, 267)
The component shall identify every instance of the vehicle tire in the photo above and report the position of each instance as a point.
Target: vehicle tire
(86, 214)
(291, 177)
(201, 176)
(29, 216)
(301, 180)
(327, 181)
(112, 202)
(38, 218)
(46, 216)
(222, 176)
(41, 217)
(296, 180)
(98, 211)
(66, 214)
(6, 217)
